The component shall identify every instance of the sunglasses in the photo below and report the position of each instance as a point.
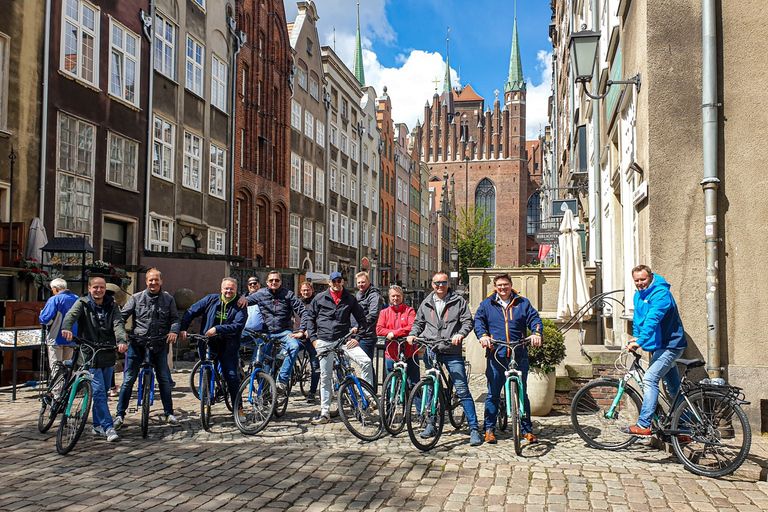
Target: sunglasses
(273, 280)
(252, 284)
(440, 283)
(337, 281)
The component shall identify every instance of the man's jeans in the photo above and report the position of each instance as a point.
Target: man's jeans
(454, 363)
(356, 354)
(133, 360)
(664, 368)
(494, 373)
(227, 354)
(369, 347)
(291, 348)
(100, 383)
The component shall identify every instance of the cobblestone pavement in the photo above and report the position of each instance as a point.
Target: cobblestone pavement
(295, 466)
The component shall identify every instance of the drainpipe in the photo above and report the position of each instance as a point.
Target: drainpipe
(710, 183)
(44, 128)
(149, 32)
(596, 159)
(240, 40)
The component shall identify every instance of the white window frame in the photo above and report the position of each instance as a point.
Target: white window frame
(319, 246)
(295, 172)
(344, 143)
(75, 33)
(217, 172)
(344, 108)
(334, 173)
(75, 164)
(344, 230)
(162, 148)
(314, 89)
(353, 190)
(353, 233)
(374, 200)
(343, 184)
(201, 3)
(365, 153)
(122, 161)
(124, 63)
(364, 195)
(364, 234)
(219, 78)
(334, 135)
(216, 241)
(374, 237)
(334, 226)
(309, 179)
(195, 66)
(320, 133)
(301, 77)
(192, 161)
(165, 46)
(309, 124)
(296, 115)
(320, 185)
(333, 267)
(157, 243)
(295, 233)
(353, 151)
(307, 233)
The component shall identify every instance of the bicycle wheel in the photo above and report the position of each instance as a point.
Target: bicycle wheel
(424, 427)
(50, 405)
(205, 399)
(194, 379)
(255, 404)
(514, 418)
(360, 412)
(592, 421)
(501, 416)
(393, 401)
(335, 385)
(456, 410)
(222, 391)
(73, 423)
(282, 401)
(302, 373)
(718, 434)
(146, 392)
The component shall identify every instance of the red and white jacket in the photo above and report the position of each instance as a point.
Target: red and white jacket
(397, 320)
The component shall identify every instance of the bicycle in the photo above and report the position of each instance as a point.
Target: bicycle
(146, 380)
(706, 426)
(430, 398)
(79, 398)
(55, 397)
(394, 393)
(213, 386)
(358, 404)
(256, 399)
(302, 371)
(513, 410)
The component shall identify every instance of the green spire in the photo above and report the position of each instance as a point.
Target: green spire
(447, 79)
(515, 80)
(359, 72)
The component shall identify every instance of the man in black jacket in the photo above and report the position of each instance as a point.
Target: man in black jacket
(155, 328)
(369, 298)
(328, 319)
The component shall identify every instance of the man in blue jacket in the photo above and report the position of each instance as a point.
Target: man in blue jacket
(221, 315)
(505, 315)
(52, 315)
(658, 329)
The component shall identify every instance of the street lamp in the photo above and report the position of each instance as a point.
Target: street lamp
(455, 260)
(583, 48)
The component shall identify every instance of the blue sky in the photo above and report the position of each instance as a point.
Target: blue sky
(404, 47)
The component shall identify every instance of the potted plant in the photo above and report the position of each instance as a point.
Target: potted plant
(543, 360)
(109, 272)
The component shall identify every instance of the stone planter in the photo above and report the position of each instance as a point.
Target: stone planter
(541, 391)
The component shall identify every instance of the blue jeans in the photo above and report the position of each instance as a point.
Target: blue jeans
(664, 368)
(227, 354)
(291, 348)
(411, 369)
(133, 360)
(314, 365)
(455, 365)
(494, 372)
(369, 347)
(100, 409)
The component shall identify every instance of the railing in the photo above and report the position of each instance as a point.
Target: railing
(598, 302)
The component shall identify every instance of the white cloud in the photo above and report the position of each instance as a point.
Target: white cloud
(537, 98)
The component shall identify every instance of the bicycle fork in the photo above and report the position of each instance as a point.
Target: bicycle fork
(517, 376)
(143, 372)
(399, 367)
(72, 392)
(432, 374)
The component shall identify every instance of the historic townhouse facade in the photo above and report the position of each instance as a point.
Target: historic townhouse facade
(404, 168)
(386, 188)
(369, 186)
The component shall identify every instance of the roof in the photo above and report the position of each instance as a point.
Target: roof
(467, 94)
(67, 244)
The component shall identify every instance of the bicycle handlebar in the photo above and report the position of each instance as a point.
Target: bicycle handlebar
(336, 345)
(92, 344)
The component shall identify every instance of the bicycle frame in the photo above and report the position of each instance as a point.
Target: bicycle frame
(257, 365)
(147, 367)
(79, 376)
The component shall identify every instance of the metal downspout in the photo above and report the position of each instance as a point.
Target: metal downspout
(596, 112)
(231, 220)
(149, 32)
(711, 182)
(44, 127)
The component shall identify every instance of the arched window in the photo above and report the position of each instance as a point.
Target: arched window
(485, 200)
(534, 214)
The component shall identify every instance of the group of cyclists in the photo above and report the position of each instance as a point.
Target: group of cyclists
(312, 321)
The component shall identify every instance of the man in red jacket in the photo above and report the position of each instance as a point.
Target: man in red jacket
(396, 322)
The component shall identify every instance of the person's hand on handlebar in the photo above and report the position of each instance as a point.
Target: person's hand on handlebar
(171, 338)
(456, 340)
(67, 335)
(535, 340)
(486, 342)
(410, 339)
(390, 335)
(211, 332)
(352, 343)
(122, 347)
(633, 345)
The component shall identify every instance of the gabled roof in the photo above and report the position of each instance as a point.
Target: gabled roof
(467, 94)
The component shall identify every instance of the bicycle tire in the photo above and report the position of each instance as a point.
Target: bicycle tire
(205, 399)
(588, 414)
(50, 406)
(335, 385)
(193, 379)
(255, 405)
(302, 373)
(282, 401)
(514, 418)
(146, 393)
(456, 410)
(501, 416)
(222, 390)
(363, 422)
(419, 415)
(393, 402)
(73, 424)
(719, 445)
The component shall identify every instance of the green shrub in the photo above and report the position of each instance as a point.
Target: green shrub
(552, 350)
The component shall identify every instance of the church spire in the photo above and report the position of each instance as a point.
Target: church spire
(447, 79)
(359, 72)
(515, 81)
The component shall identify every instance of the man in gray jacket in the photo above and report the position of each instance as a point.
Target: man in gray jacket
(445, 315)
(155, 328)
(369, 298)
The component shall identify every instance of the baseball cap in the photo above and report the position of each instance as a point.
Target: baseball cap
(335, 275)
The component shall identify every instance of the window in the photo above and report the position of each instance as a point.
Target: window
(320, 134)
(334, 226)
(343, 108)
(320, 186)
(334, 136)
(165, 44)
(219, 73)
(310, 46)
(215, 241)
(75, 164)
(319, 244)
(307, 234)
(314, 88)
(309, 124)
(201, 3)
(343, 185)
(295, 115)
(309, 179)
(333, 178)
(217, 172)
(195, 60)
(124, 68)
(4, 48)
(294, 252)
(374, 200)
(160, 234)
(485, 200)
(295, 172)
(333, 267)
(301, 78)
(123, 161)
(365, 154)
(162, 150)
(399, 189)
(353, 233)
(374, 238)
(364, 236)
(80, 41)
(344, 143)
(344, 228)
(353, 190)
(365, 195)
(192, 156)
(354, 151)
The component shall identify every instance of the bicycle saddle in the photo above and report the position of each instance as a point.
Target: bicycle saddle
(692, 363)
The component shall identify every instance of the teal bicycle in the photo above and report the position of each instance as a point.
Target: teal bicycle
(394, 393)
(511, 411)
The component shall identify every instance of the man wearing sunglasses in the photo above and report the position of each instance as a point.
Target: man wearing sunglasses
(445, 315)
(278, 306)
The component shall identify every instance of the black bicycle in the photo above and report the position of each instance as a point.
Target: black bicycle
(257, 396)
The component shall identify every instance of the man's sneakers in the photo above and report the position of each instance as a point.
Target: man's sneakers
(490, 437)
(474, 438)
(98, 430)
(281, 388)
(113, 392)
(428, 432)
(636, 430)
(171, 420)
(111, 435)
(321, 419)
(311, 398)
(530, 437)
(118, 422)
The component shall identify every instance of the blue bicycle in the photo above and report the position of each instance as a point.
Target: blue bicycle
(147, 379)
(511, 411)
(256, 399)
(213, 386)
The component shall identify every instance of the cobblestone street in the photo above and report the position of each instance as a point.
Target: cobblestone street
(293, 465)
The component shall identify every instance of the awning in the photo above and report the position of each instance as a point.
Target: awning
(316, 276)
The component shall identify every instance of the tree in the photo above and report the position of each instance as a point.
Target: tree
(472, 240)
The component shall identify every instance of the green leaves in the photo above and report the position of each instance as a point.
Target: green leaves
(472, 240)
